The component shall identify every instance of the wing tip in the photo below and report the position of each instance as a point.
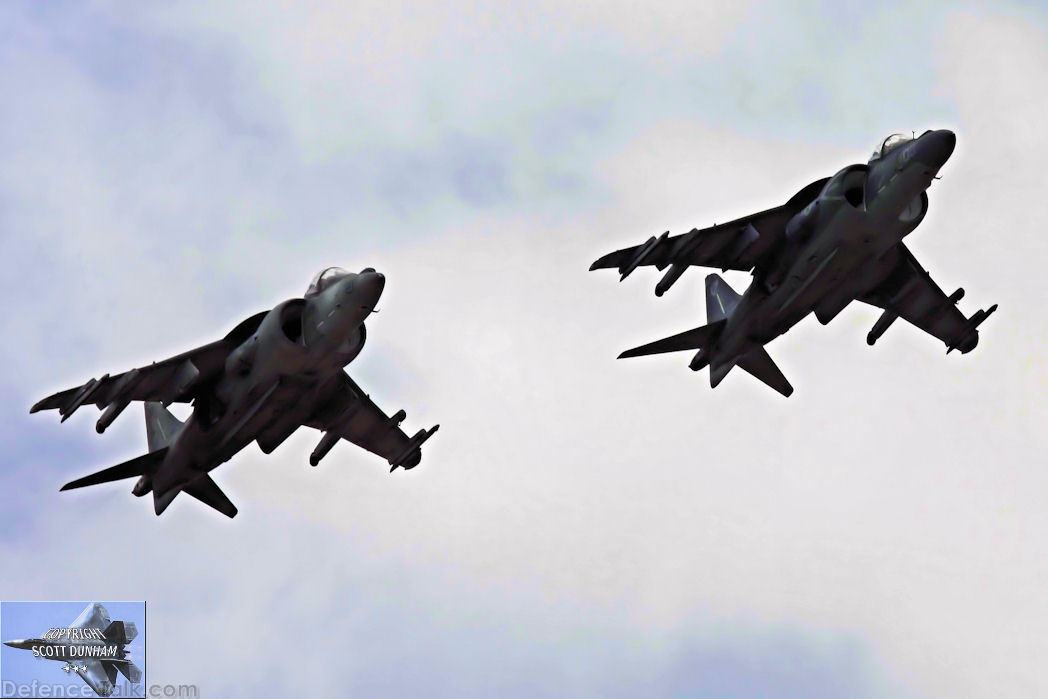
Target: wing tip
(605, 262)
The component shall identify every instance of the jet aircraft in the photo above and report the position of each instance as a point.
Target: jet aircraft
(92, 646)
(837, 240)
(273, 373)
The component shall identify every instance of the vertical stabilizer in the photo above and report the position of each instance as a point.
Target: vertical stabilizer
(721, 299)
(161, 426)
(121, 632)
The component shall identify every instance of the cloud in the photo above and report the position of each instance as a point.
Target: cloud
(579, 525)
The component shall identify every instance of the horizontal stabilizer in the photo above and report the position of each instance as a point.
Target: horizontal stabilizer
(138, 466)
(759, 363)
(110, 670)
(207, 491)
(129, 670)
(687, 340)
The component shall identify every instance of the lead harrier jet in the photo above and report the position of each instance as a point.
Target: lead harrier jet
(838, 240)
(273, 373)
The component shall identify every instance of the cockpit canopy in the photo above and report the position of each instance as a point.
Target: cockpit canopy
(324, 279)
(889, 144)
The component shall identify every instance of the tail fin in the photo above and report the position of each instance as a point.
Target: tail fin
(161, 426)
(758, 363)
(721, 299)
(139, 466)
(121, 632)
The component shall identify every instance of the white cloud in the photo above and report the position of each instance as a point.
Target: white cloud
(613, 512)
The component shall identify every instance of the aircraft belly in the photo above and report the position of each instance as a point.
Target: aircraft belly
(285, 402)
(824, 267)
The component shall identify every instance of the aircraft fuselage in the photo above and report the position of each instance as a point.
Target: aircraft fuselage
(838, 247)
(298, 349)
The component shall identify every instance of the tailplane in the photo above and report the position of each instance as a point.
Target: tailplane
(129, 670)
(207, 491)
(721, 301)
(139, 466)
(696, 338)
(758, 363)
(203, 489)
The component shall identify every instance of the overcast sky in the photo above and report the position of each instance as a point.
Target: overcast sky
(579, 526)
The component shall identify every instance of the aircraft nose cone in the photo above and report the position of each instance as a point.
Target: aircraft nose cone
(15, 644)
(369, 285)
(936, 147)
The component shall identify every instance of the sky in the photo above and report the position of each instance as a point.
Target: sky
(579, 526)
(23, 620)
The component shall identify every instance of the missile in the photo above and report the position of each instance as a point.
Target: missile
(882, 324)
(110, 414)
(670, 278)
(968, 339)
(329, 440)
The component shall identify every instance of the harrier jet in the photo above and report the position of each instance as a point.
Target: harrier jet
(837, 240)
(92, 646)
(273, 373)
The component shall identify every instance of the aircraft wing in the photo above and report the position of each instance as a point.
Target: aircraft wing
(351, 415)
(167, 381)
(100, 678)
(910, 293)
(740, 244)
(94, 616)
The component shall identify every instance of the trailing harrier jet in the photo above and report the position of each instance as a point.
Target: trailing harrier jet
(273, 373)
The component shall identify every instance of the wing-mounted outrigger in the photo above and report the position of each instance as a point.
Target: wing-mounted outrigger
(890, 316)
(967, 340)
(176, 379)
(645, 252)
(910, 293)
(350, 414)
(412, 453)
(724, 244)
